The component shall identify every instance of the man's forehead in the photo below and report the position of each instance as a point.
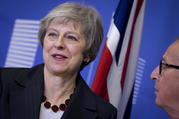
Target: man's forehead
(172, 52)
(174, 46)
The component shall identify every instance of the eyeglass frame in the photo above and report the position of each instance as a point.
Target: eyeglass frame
(166, 64)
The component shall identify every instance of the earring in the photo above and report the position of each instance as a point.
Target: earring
(86, 60)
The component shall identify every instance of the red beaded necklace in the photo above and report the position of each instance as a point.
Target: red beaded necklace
(55, 108)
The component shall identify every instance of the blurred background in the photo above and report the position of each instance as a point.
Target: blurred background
(160, 29)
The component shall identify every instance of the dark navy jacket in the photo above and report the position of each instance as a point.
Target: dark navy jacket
(21, 90)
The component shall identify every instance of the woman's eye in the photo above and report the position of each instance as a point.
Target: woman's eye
(72, 38)
(52, 34)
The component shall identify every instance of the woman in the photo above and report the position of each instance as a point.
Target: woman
(70, 35)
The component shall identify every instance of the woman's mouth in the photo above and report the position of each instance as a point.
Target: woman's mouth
(59, 57)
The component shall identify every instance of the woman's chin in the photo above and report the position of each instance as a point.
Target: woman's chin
(58, 71)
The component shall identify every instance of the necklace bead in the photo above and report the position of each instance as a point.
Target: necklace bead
(67, 101)
(55, 108)
(47, 104)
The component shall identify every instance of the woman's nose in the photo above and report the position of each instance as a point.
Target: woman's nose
(60, 43)
(155, 74)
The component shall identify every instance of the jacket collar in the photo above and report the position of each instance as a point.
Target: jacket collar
(82, 104)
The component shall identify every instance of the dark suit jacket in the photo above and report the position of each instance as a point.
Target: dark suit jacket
(21, 90)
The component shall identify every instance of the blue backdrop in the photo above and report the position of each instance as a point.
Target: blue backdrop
(160, 29)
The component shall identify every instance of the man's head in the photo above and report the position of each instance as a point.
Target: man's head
(166, 77)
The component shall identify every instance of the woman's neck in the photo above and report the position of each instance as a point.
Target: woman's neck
(58, 88)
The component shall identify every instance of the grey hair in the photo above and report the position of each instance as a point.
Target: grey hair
(90, 24)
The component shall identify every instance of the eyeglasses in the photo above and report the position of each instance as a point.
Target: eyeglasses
(162, 64)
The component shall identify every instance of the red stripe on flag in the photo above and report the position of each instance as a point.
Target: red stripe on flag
(139, 5)
(100, 81)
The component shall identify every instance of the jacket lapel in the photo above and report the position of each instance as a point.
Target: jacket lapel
(82, 104)
(25, 94)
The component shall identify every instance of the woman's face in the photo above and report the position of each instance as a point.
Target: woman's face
(63, 48)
